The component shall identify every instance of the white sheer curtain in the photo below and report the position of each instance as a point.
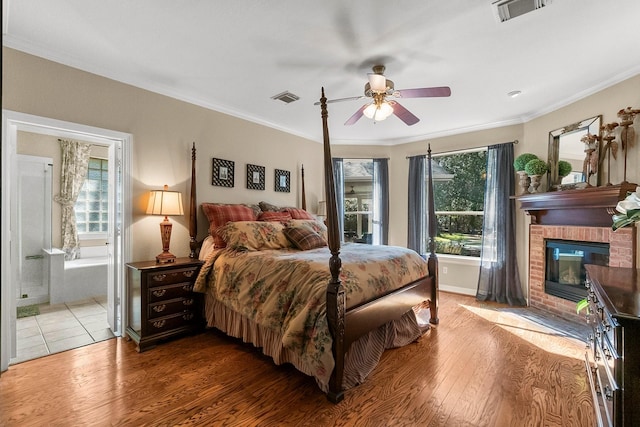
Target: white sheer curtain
(73, 171)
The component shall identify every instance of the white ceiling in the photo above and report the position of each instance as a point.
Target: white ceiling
(232, 56)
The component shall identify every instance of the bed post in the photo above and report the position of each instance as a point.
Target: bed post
(193, 213)
(304, 196)
(336, 304)
(433, 259)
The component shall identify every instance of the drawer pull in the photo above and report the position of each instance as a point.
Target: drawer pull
(187, 301)
(187, 316)
(159, 308)
(186, 288)
(188, 273)
(158, 323)
(608, 393)
(159, 293)
(159, 277)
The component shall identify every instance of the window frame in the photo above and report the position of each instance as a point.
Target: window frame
(104, 198)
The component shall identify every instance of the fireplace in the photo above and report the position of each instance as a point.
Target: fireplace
(574, 217)
(564, 266)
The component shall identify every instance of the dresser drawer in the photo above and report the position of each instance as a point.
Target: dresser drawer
(165, 308)
(170, 323)
(159, 278)
(167, 292)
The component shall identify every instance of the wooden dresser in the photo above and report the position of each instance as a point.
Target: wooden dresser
(162, 303)
(613, 358)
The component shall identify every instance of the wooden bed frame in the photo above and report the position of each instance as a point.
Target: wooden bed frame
(346, 326)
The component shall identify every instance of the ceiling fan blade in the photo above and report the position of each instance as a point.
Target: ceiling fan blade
(352, 98)
(403, 114)
(424, 92)
(356, 116)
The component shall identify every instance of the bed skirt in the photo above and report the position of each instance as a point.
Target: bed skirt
(361, 358)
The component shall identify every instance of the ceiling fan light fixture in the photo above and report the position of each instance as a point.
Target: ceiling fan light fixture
(377, 82)
(378, 112)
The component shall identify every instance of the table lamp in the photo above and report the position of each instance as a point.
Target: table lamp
(165, 202)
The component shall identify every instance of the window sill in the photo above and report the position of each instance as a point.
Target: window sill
(459, 259)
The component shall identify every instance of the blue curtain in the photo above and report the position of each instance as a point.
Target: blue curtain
(381, 202)
(338, 179)
(499, 278)
(417, 209)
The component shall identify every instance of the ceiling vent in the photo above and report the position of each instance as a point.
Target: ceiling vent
(286, 97)
(509, 9)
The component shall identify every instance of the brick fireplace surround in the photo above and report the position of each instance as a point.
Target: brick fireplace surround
(574, 215)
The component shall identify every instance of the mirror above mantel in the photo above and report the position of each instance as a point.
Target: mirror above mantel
(568, 144)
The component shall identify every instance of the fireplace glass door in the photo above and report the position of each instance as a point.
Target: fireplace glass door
(565, 260)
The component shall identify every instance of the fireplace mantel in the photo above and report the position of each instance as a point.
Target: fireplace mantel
(592, 206)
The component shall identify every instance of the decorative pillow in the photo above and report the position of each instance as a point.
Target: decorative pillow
(266, 207)
(315, 225)
(275, 216)
(254, 235)
(220, 214)
(303, 237)
(299, 213)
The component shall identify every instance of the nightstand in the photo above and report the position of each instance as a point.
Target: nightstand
(162, 303)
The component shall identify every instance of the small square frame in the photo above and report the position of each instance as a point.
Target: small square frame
(255, 177)
(222, 172)
(282, 181)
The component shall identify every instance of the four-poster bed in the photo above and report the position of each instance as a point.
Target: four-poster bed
(277, 293)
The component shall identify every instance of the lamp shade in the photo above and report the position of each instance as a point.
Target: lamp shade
(380, 112)
(165, 202)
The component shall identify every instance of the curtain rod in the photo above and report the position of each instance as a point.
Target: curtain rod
(465, 150)
(363, 158)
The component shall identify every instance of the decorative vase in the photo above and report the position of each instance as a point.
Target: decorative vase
(523, 182)
(535, 183)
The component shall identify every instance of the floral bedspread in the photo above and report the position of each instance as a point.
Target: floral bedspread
(285, 289)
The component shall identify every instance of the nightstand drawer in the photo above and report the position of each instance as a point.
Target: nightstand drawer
(169, 323)
(167, 292)
(168, 277)
(162, 303)
(165, 308)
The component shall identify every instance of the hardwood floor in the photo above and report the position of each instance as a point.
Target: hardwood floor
(479, 367)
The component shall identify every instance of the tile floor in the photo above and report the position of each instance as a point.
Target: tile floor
(61, 327)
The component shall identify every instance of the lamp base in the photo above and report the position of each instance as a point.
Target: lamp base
(165, 258)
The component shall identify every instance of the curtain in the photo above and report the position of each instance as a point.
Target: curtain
(75, 161)
(499, 279)
(338, 179)
(380, 201)
(417, 210)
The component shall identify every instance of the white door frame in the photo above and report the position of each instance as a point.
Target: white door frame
(11, 123)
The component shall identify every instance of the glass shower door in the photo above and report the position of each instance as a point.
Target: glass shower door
(34, 197)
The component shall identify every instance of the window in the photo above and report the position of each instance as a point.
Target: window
(92, 206)
(358, 200)
(458, 189)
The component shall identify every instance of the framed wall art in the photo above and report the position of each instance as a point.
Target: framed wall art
(222, 173)
(283, 181)
(255, 177)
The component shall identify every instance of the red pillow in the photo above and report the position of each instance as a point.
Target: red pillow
(275, 216)
(220, 214)
(299, 213)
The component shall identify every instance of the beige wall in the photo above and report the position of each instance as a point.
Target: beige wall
(163, 131)
(164, 128)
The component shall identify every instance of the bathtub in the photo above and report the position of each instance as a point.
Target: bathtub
(83, 278)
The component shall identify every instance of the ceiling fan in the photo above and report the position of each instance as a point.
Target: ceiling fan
(378, 88)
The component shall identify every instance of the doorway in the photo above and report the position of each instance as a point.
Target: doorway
(118, 238)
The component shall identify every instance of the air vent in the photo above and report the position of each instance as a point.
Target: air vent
(286, 97)
(509, 9)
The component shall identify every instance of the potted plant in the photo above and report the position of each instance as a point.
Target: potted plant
(523, 179)
(564, 168)
(535, 169)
